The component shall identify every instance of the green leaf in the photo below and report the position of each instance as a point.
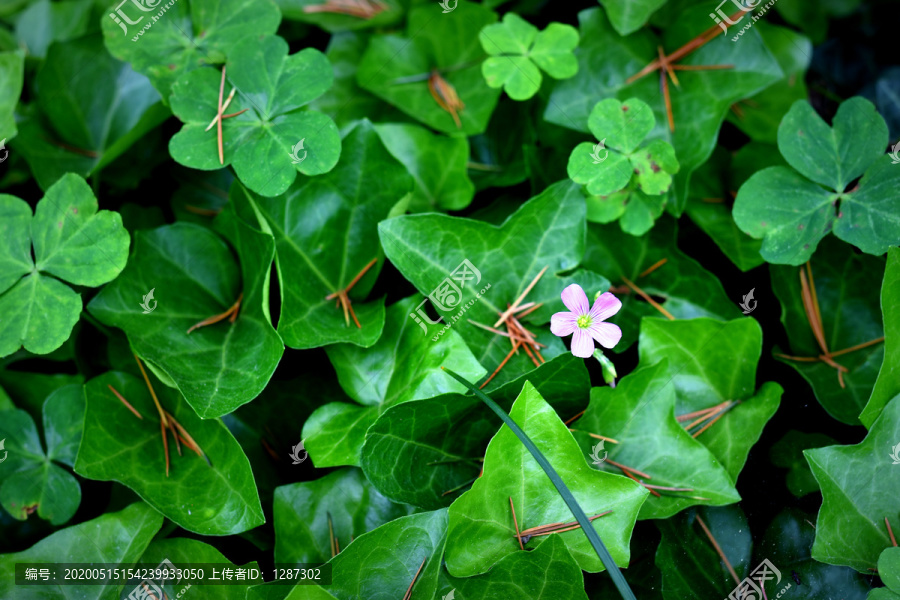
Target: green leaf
(261, 142)
(481, 530)
(436, 163)
(185, 35)
(118, 537)
(44, 22)
(216, 499)
(889, 568)
(30, 390)
(384, 561)
(788, 453)
(606, 61)
(193, 276)
(403, 365)
(516, 49)
(31, 479)
(888, 383)
(446, 42)
(12, 68)
(72, 242)
(426, 249)
(805, 212)
(627, 16)
(94, 107)
(333, 22)
(342, 502)
(681, 286)
(850, 529)
(848, 304)
(418, 451)
(711, 362)
(325, 234)
(639, 413)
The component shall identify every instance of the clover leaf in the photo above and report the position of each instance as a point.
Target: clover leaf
(73, 243)
(792, 209)
(273, 140)
(517, 49)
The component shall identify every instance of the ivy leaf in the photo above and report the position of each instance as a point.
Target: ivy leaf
(94, 108)
(72, 242)
(888, 383)
(193, 275)
(416, 451)
(546, 573)
(426, 249)
(436, 163)
(385, 560)
(31, 478)
(403, 365)
(447, 43)
(606, 60)
(711, 362)
(627, 16)
(186, 35)
(44, 22)
(481, 530)
(259, 143)
(788, 453)
(805, 212)
(325, 230)
(334, 22)
(12, 68)
(850, 507)
(681, 286)
(216, 499)
(342, 502)
(848, 304)
(516, 49)
(639, 413)
(117, 537)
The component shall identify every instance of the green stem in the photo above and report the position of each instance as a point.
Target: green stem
(567, 496)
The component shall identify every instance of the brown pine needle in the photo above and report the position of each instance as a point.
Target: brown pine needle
(362, 9)
(639, 482)
(709, 413)
(162, 428)
(890, 531)
(521, 297)
(159, 408)
(703, 411)
(343, 296)
(219, 120)
(516, 523)
(710, 424)
(702, 68)
(222, 109)
(175, 435)
(206, 212)
(646, 297)
(653, 267)
(557, 527)
(189, 441)
(530, 310)
(503, 333)
(624, 468)
(667, 66)
(125, 402)
(500, 366)
(231, 314)
(595, 435)
(713, 200)
(331, 540)
(408, 594)
(718, 549)
(573, 418)
(668, 489)
(858, 347)
(445, 95)
(240, 112)
(531, 355)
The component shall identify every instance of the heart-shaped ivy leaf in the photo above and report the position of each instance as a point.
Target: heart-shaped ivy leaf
(31, 479)
(627, 16)
(518, 52)
(481, 529)
(273, 140)
(72, 242)
(211, 499)
(164, 41)
(791, 210)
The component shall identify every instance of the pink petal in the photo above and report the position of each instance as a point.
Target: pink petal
(582, 344)
(575, 300)
(604, 307)
(563, 323)
(606, 334)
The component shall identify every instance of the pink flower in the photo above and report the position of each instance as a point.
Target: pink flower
(586, 322)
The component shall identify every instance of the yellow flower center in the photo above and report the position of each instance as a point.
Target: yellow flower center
(584, 321)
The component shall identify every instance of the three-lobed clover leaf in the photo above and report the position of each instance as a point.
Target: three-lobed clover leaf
(517, 49)
(72, 243)
(269, 143)
(792, 209)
